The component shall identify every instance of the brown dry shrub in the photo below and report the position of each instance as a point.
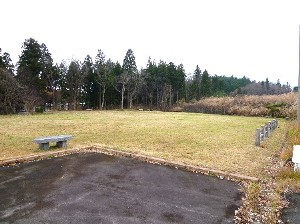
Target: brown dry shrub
(252, 105)
(177, 109)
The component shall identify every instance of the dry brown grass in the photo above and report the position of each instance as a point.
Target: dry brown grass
(214, 141)
(288, 179)
(246, 105)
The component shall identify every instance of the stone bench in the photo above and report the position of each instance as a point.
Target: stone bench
(61, 141)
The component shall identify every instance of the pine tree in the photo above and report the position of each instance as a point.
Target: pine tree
(6, 62)
(74, 83)
(130, 78)
(205, 85)
(197, 82)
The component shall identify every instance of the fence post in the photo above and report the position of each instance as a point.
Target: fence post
(257, 137)
(262, 130)
(267, 130)
(270, 127)
(273, 124)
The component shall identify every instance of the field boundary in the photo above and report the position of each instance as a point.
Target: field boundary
(154, 160)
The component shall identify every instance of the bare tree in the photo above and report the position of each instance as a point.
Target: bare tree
(133, 87)
(9, 92)
(121, 85)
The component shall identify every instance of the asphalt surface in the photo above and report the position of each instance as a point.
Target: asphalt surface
(96, 188)
(292, 213)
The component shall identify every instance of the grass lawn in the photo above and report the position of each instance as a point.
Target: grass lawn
(215, 141)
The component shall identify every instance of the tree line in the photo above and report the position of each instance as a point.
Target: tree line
(37, 81)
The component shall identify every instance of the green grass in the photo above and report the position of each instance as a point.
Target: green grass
(215, 141)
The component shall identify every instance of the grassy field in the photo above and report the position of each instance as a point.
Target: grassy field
(215, 141)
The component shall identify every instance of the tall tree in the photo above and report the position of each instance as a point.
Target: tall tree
(30, 65)
(74, 83)
(130, 76)
(197, 82)
(104, 72)
(151, 81)
(9, 92)
(49, 75)
(205, 85)
(64, 95)
(29, 74)
(164, 87)
(6, 62)
(90, 86)
(179, 84)
(217, 86)
(267, 84)
(35, 71)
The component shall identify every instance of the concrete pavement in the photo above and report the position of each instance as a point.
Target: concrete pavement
(97, 188)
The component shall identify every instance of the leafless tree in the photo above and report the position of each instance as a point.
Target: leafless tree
(9, 92)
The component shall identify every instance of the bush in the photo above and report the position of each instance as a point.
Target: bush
(284, 105)
(39, 109)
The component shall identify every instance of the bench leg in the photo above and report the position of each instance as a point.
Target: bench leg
(44, 146)
(61, 144)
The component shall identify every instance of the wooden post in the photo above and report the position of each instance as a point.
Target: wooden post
(257, 137)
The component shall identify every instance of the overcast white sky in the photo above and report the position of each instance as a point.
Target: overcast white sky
(255, 38)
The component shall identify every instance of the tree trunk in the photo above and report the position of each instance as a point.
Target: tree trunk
(130, 101)
(122, 96)
(103, 98)
(151, 101)
(157, 98)
(74, 103)
(100, 103)
(54, 99)
(170, 104)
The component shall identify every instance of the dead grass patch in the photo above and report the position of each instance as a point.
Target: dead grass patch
(214, 141)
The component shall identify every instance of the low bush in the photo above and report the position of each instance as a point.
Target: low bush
(284, 105)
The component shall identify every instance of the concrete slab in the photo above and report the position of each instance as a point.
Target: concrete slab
(97, 188)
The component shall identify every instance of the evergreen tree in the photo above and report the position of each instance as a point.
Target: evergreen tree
(217, 86)
(129, 79)
(30, 65)
(104, 76)
(129, 64)
(205, 85)
(197, 82)
(90, 94)
(74, 83)
(267, 84)
(180, 82)
(6, 62)
(36, 72)
(151, 82)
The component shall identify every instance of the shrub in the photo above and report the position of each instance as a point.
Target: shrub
(39, 109)
(284, 105)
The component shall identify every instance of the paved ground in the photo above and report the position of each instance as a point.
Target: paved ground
(96, 188)
(292, 213)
